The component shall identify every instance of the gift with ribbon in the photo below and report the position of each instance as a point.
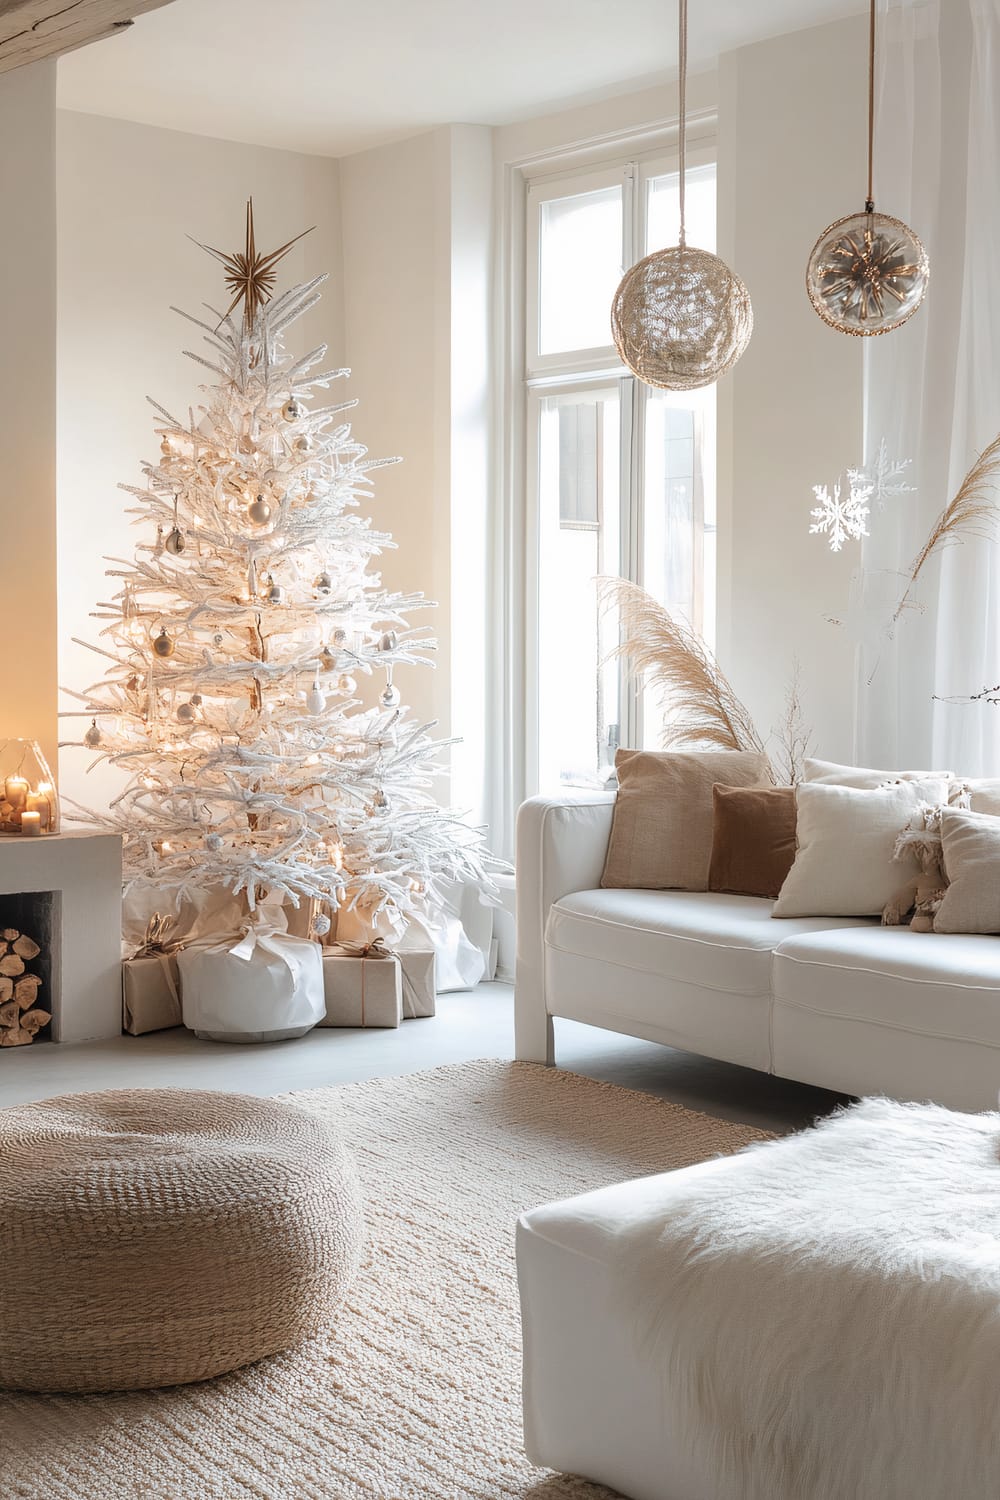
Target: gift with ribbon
(151, 996)
(265, 987)
(362, 984)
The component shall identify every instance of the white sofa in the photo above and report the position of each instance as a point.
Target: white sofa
(844, 1004)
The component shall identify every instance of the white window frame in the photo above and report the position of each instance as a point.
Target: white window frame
(646, 153)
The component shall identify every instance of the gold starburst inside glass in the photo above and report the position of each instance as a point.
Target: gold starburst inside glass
(867, 274)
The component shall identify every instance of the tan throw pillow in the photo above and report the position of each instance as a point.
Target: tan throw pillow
(753, 842)
(846, 836)
(984, 794)
(971, 845)
(661, 834)
(865, 778)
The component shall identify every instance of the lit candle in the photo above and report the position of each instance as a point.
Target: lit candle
(48, 791)
(39, 803)
(31, 824)
(16, 791)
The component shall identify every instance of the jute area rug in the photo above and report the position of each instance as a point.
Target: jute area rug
(414, 1389)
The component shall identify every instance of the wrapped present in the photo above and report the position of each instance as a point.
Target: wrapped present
(151, 996)
(363, 986)
(265, 987)
(417, 971)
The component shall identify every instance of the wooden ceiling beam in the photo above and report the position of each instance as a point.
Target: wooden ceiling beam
(33, 29)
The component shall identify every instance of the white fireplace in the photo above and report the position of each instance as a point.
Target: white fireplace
(78, 878)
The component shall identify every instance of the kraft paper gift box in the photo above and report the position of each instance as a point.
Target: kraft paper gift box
(151, 998)
(419, 992)
(362, 988)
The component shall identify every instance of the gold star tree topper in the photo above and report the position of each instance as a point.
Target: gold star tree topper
(249, 274)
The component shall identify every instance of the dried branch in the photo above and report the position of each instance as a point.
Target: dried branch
(793, 733)
(698, 703)
(971, 513)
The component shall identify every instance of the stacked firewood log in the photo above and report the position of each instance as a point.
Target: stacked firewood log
(20, 1018)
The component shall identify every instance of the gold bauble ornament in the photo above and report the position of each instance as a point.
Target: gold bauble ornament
(258, 511)
(163, 645)
(867, 274)
(681, 318)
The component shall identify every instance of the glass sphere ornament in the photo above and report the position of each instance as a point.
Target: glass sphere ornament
(163, 645)
(93, 736)
(323, 583)
(321, 924)
(390, 696)
(293, 409)
(867, 273)
(315, 699)
(303, 443)
(175, 541)
(681, 318)
(258, 511)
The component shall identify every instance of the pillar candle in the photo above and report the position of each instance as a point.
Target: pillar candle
(31, 824)
(16, 791)
(39, 803)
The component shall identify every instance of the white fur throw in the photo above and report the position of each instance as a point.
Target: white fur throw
(827, 1309)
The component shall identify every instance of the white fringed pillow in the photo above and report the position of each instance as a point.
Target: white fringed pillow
(846, 838)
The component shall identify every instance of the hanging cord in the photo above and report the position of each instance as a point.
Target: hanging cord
(870, 200)
(682, 103)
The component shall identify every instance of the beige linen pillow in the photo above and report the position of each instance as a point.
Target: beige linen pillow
(844, 864)
(661, 834)
(829, 773)
(984, 794)
(971, 845)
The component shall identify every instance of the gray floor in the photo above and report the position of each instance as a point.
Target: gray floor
(477, 1024)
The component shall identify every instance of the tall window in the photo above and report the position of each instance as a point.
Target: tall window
(621, 478)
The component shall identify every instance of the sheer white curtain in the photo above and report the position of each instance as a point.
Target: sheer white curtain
(932, 392)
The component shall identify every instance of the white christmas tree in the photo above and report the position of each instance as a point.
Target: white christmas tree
(240, 635)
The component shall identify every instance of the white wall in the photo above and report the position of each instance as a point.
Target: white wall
(792, 115)
(128, 196)
(418, 249)
(28, 404)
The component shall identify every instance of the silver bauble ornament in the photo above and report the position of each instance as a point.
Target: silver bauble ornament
(303, 443)
(293, 409)
(323, 583)
(315, 699)
(163, 645)
(93, 736)
(321, 924)
(389, 641)
(346, 683)
(175, 541)
(258, 511)
(390, 697)
(185, 713)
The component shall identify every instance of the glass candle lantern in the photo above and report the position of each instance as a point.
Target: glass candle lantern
(26, 786)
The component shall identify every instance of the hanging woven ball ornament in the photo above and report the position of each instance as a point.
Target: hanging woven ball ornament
(293, 409)
(163, 645)
(867, 274)
(681, 318)
(93, 736)
(258, 511)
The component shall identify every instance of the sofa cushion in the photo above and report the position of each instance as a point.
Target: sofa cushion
(705, 939)
(936, 984)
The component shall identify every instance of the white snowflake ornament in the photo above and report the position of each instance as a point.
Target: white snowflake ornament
(838, 517)
(887, 477)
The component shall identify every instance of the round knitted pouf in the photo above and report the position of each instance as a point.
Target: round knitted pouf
(159, 1236)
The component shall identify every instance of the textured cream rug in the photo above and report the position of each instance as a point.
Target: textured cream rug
(414, 1392)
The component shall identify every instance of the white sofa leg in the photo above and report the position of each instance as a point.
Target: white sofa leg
(534, 1037)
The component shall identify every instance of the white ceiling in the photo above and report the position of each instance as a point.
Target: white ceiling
(336, 76)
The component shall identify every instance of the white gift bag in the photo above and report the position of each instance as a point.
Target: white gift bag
(265, 987)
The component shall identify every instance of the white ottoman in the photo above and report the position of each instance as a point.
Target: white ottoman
(815, 1319)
